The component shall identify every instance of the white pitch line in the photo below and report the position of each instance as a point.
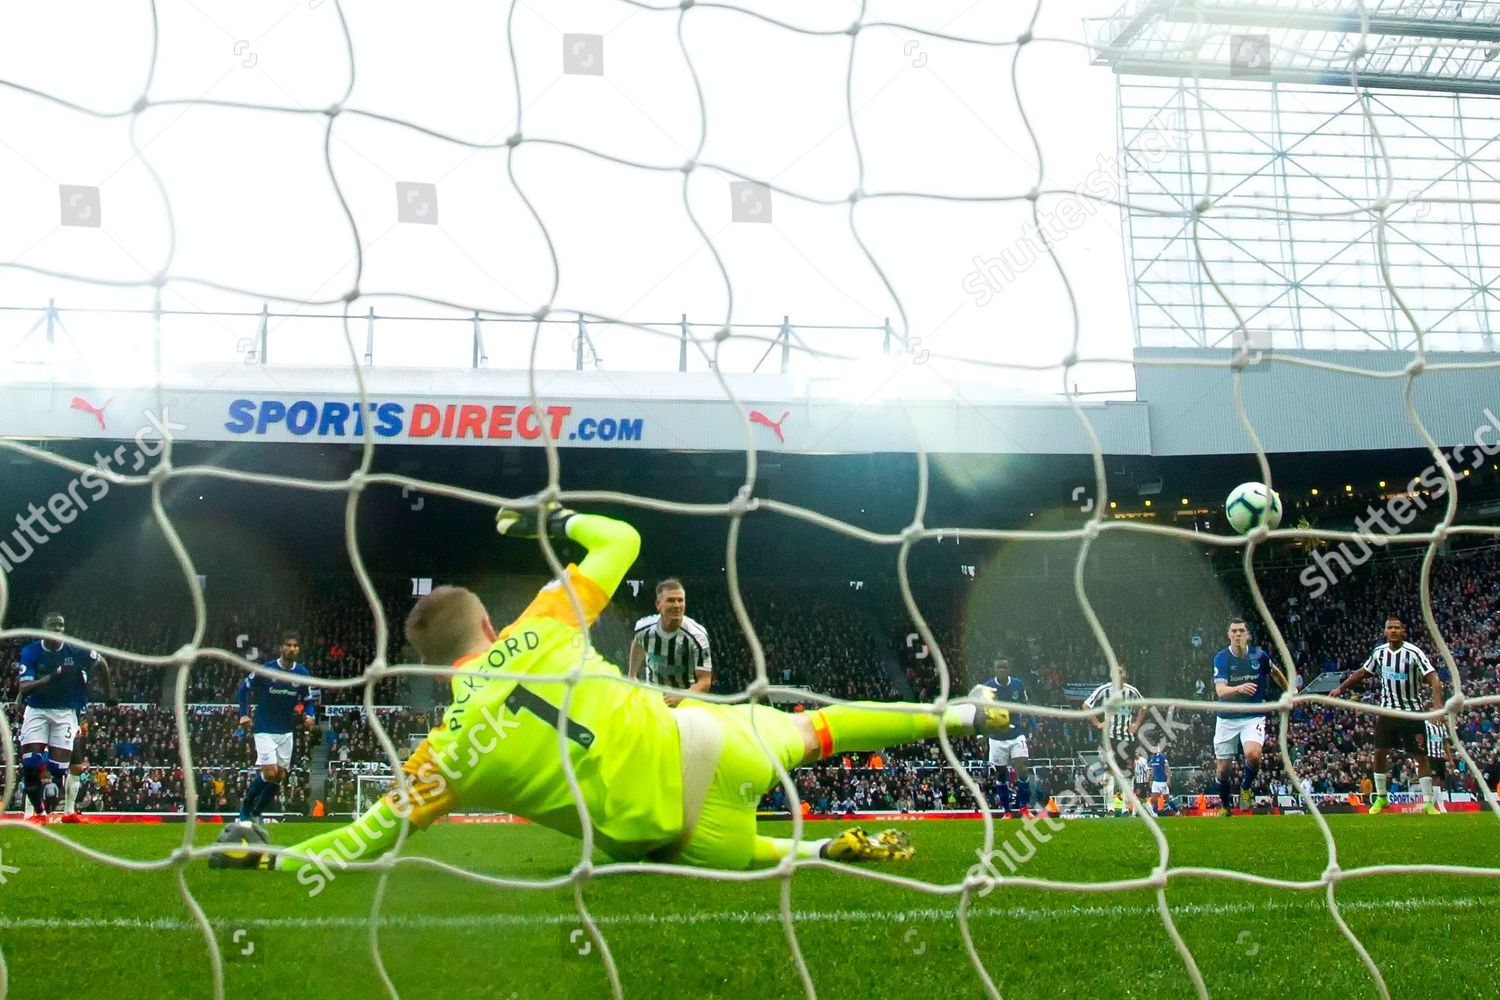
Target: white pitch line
(922, 915)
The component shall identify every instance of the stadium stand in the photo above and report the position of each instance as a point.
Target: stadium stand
(829, 641)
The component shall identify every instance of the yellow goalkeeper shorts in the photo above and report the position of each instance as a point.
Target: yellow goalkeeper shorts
(724, 834)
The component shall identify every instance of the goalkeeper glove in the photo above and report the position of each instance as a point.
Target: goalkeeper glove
(551, 518)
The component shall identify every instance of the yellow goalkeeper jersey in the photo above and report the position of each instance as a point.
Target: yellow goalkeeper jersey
(498, 746)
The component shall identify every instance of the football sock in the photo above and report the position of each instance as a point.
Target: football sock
(1427, 789)
(267, 793)
(368, 837)
(1380, 780)
(70, 792)
(857, 726)
(59, 774)
(1250, 771)
(252, 796)
(770, 850)
(32, 765)
(1002, 796)
(1023, 793)
(1226, 792)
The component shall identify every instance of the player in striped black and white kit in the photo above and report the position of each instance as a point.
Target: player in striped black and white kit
(1439, 760)
(1403, 670)
(1124, 722)
(672, 647)
(1439, 749)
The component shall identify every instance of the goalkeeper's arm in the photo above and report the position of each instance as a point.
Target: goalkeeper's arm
(612, 544)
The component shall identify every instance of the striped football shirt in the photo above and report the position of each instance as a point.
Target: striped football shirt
(1119, 722)
(1402, 674)
(674, 658)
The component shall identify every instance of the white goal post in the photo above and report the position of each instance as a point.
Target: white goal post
(368, 788)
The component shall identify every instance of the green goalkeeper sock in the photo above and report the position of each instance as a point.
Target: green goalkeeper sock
(770, 850)
(613, 546)
(861, 726)
(368, 837)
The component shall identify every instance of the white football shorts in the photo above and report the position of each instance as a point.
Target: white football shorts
(1001, 751)
(55, 727)
(1232, 734)
(1160, 788)
(273, 748)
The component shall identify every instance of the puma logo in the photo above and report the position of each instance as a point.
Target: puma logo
(757, 417)
(79, 403)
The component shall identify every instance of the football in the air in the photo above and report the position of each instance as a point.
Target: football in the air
(245, 837)
(1250, 505)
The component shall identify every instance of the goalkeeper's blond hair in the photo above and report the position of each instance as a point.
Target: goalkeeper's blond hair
(446, 625)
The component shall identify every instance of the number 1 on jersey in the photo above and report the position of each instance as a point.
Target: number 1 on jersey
(522, 699)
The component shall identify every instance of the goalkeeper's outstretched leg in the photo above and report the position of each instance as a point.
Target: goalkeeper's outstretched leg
(719, 814)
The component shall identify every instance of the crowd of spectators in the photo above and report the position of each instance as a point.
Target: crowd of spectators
(146, 736)
(138, 788)
(810, 638)
(848, 644)
(351, 738)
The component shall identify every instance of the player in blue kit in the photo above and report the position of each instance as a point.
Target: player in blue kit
(276, 710)
(1008, 748)
(1241, 676)
(1161, 778)
(54, 686)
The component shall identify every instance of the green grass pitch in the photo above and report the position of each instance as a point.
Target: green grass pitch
(72, 927)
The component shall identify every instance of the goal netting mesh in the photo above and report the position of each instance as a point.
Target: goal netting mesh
(851, 197)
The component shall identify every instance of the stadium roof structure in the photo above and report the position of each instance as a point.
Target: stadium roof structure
(1249, 159)
(1448, 46)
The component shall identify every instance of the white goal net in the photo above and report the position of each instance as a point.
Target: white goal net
(696, 133)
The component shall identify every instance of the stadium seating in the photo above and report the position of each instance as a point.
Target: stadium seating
(845, 643)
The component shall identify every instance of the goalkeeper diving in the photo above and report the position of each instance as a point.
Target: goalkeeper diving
(677, 785)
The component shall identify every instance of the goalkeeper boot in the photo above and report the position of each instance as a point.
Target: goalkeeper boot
(897, 843)
(242, 839)
(1380, 805)
(989, 720)
(854, 844)
(518, 523)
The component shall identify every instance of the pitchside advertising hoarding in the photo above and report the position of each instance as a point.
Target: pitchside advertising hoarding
(1400, 802)
(679, 411)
